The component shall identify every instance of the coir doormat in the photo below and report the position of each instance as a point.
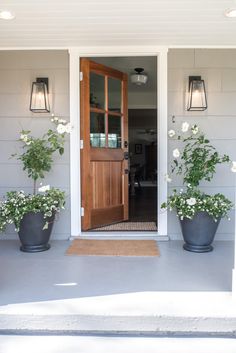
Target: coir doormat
(94, 247)
(129, 227)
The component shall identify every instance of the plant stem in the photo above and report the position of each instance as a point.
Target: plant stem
(34, 187)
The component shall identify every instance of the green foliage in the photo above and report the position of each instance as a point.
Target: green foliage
(37, 155)
(17, 204)
(197, 162)
(37, 159)
(188, 203)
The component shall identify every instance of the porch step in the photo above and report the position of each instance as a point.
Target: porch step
(155, 314)
(158, 326)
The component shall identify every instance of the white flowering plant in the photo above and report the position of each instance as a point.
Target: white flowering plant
(196, 162)
(17, 204)
(37, 152)
(37, 159)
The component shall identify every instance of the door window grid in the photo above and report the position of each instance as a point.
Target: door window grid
(110, 134)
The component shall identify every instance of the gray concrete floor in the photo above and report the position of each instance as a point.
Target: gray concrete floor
(51, 275)
(179, 291)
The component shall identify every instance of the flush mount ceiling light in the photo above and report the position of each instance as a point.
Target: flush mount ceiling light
(6, 15)
(197, 100)
(139, 77)
(230, 13)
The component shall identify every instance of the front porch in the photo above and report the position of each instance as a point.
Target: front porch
(51, 292)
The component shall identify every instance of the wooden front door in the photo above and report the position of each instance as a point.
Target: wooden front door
(104, 156)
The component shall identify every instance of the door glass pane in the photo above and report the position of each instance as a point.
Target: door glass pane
(114, 131)
(97, 91)
(114, 95)
(97, 130)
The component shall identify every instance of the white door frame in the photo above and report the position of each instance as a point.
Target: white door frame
(75, 178)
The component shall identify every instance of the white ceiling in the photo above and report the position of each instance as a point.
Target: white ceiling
(117, 22)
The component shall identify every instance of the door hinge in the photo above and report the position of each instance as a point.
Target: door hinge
(81, 144)
(82, 211)
(81, 76)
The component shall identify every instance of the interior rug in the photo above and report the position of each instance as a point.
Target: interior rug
(128, 226)
(94, 247)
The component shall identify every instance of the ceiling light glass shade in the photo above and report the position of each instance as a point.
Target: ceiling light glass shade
(197, 100)
(139, 78)
(39, 102)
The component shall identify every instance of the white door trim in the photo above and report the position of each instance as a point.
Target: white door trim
(75, 55)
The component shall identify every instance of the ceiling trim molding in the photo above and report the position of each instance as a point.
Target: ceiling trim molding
(202, 46)
(33, 48)
(119, 50)
(103, 50)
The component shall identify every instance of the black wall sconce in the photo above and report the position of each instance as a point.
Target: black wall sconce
(39, 101)
(197, 100)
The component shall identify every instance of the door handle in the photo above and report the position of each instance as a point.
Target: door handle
(126, 155)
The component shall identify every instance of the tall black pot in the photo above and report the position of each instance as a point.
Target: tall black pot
(199, 232)
(32, 235)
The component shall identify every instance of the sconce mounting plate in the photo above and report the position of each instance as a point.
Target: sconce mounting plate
(193, 78)
(44, 80)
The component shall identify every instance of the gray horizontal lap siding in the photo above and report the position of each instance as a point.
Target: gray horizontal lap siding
(17, 70)
(218, 69)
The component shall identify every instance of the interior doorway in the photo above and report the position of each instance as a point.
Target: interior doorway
(142, 143)
(143, 165)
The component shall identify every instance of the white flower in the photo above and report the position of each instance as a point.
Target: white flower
(21, 195)
(44, 188)
(176, 153)
(185, 127)
(171, 133)
(28, 142)
(63, 121)
(55, 119)
(195, 129)
(61, 129)
(24, 138)
(167, 178)
(68, 128)
(192, 201)
(233, 168)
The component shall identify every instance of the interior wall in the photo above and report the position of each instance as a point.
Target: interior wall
(218, 68)
(18, 69)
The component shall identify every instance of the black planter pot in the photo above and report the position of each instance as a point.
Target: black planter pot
(199, 232)
(32, 235)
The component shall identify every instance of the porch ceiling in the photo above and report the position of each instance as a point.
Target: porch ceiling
(110, 22)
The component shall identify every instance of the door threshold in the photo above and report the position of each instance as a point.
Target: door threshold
(122, 235)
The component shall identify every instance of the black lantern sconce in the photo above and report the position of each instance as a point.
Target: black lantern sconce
(197, 100)
(39, 101)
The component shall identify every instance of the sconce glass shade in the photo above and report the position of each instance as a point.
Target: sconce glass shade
(39, 102)
(197, 100)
